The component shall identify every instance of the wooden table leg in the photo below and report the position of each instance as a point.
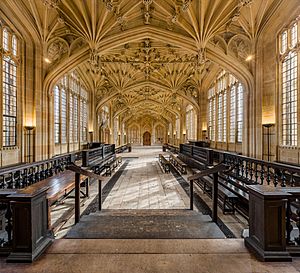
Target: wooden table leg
(100, 194)
(191, 195)
(77, 197)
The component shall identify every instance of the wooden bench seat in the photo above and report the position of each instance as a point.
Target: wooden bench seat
(192, 163)
(164, 163)
(178, 164)
(228, 198)
(112, 164)
(58, 185)
(102, 165)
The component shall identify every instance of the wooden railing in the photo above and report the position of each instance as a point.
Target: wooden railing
(91, 157)
(21, 207)
(79, 171)
(215, 172)
(172, 148)
(6, 238)
(203, 155)
(255, 171)
(26, 174)
(123, 148)
(271, 192)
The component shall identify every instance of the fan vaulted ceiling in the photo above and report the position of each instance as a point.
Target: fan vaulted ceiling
(145, 57)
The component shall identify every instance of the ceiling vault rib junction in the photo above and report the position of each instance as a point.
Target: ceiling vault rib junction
(160, 54)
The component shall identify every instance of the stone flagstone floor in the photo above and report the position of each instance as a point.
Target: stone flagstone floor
(200, 255)
(143, 185)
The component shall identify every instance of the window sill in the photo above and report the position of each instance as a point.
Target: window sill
(10, 148)
(289, 147)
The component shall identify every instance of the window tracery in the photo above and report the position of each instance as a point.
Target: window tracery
(70, 110)
(225, 109)
(10, 74)
(191, 123)
(289, 65)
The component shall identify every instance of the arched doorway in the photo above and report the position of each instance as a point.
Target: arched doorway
(146, 139)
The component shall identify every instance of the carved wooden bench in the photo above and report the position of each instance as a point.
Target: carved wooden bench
(164, 163)
(112, 164)
(178, 164)
(59, 186)
(228, 198)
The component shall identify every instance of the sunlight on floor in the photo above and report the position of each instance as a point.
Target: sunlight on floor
(143, 185)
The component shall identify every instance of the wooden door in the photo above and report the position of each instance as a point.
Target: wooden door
(147, 139)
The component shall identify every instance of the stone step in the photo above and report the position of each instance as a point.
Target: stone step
(144, 246)
(145, 212)
(146, 224)
(99, 217)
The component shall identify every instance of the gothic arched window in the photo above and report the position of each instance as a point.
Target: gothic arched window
(70, 110)
(225, 107)
(10, 74)
(191, 121)
(289, 55)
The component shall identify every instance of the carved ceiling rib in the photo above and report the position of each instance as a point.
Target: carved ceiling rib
(188, 98)
(165, 52)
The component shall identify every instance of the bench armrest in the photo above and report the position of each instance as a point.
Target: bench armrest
(79, 170)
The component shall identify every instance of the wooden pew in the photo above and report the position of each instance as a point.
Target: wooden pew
(178, 164)
(164, 163)
(96, 157)
(112, 164)
(227, 199)
(58, 186)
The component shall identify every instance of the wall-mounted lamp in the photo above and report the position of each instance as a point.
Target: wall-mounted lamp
(268, 126)
(249, 58)
(91, 135)
(47, 60)
(268, 116)
(29, 140)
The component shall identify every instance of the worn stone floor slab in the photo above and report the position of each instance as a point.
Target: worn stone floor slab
(149, 246)
(136, 256)
(144, 186)
(146, 224)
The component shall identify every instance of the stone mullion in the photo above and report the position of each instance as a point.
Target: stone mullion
(68, 114)
(60, 119)
(227, 115)
(298, 89)
(1, 97)
(79, 133)
(236, 114)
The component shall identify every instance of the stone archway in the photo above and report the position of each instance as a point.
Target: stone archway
(147, 139)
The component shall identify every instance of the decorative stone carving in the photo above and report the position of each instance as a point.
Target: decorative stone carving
(219, 42)
(61, 20)
(185, 5)
(122, 22)
(109, 5)
(56, 50)
(147, 11)
(53, 4)
(95, 61)
(243, 3)
(240, 47)
(201, 57)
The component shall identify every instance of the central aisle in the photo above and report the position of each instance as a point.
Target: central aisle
(143, 185)
(142, 202)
